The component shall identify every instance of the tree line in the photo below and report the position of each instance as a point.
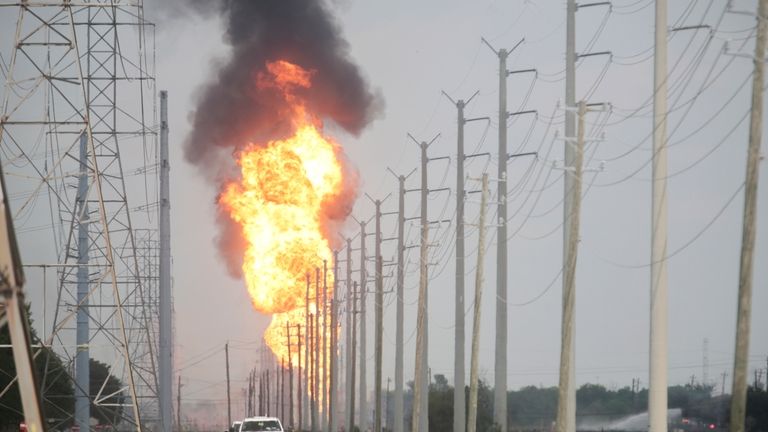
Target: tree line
(57, 388)
(535, 408)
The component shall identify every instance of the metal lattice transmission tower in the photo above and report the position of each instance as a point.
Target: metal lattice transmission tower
(84, 71)
(148, 257)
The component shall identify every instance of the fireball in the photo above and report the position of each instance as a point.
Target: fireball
(285, 189)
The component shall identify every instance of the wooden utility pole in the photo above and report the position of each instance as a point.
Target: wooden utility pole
(573, 171)
(290, 375)
(657, 381)
(278, 391)
(724, 375)
(421, 382)
(312, 374)
(379, 336)
(282, 388)
(178, 407)
(229, 400)
(352, 363)
(500, 359)
(268, 389)
(458, 354)
(307, 360)
(459, 404)
(334, 392)
(298, 390)
(324, 378)
(379, 316)
(349, 384)
(254, 410)
(568, 423)
(399, 423)
(399, 316)
(744, 311)
(315, 348)
(473, 367)
(248, 396)
(420, 421)
(363, 412)
(386, 408)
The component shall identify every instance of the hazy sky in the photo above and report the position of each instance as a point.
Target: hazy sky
(410, 51)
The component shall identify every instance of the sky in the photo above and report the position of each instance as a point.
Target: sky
(410, 52)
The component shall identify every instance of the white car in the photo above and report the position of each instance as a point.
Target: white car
(261, 424)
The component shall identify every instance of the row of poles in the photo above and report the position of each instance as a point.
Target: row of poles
(268, 392)
(573, 166)
(572, 190)
(271, 389)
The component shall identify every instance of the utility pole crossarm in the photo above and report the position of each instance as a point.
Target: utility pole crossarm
(488, 44)
(594, 54)
(516, 155)
(691, 27)
(461, 103)
(498, 52)
(439, 158)
(586, 5)
(423, 142)
(449, 97)
(522, 71)
(444, 189)
(517, 113)
(485, 154)
(488, 119)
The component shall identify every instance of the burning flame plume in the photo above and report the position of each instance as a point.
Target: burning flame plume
(287, 189)
(288, 69)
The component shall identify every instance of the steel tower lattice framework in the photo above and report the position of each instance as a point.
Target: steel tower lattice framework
(148, 255)
(84, 68)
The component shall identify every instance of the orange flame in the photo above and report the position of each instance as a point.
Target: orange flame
(286, 188)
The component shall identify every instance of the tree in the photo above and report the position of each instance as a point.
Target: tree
(484, 406)
(440, 404)
(56, 387)
(532, 407)
(757, 409)
(57, 393)
(108, 410)
(688, 396)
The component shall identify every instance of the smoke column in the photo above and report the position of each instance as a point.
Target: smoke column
(233, 112)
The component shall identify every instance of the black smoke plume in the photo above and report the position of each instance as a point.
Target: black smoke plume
(232, 111)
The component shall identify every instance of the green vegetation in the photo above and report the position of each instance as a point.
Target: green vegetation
(57, 388)
(535, 408)
(56, 385)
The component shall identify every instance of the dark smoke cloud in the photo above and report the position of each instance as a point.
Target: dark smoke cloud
(232, 111)
(169, 12)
